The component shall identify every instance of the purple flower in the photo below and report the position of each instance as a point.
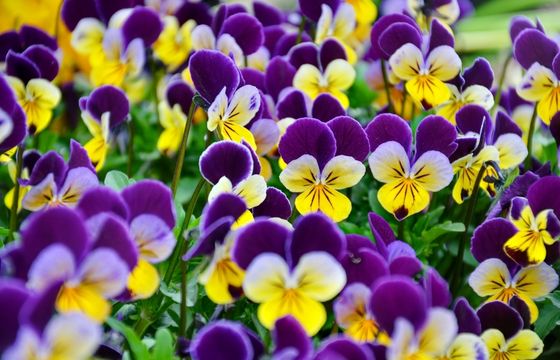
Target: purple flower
(13, 128)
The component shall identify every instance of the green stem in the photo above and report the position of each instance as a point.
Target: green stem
(301, 29)
(183, 307)
(182, 149)
(15, 200)
(400, 230)
(499, 89)
(386, 85)
(130, 147)
(529, 158)
(456, 276)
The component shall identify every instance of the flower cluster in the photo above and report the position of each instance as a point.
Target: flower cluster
(240, 180)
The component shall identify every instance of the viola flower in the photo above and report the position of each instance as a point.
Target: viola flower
(424, 72)
(410, 177)
(173, 111)
(343, 348)
(501, 148)
(338, 25)
(446, 11)
(12, 121)
(267, 134)
(103, 111)
(323, 159)
(230, 167)
(291, 272)
(493, 278)
(541, 81)
(231, 108)
(30, 158)
(222, 278)
(472, 87)
(294, 104)
(519, 110)
(537, 225)
(54, 183)
(352, 314)
(174, 44)
(331, 73)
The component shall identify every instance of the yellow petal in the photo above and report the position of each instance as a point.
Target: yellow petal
(526, 344)
(467, 346)
(428, 91)
(319, 276)
(512, 150)
(536, 281)
(490, 277)
(224, 274)
(170, 140)
(432, 171)
(342, 172)
(407, 62)
(83, 299)
(439, 331)
(340, 74)
(308, 79)
(537, 83)
(222, 186)
(9, 198)
(143, 280)
(389, 162)
(265, 278)
(403, 198)
(217, 110)
(97, 150)
(252, 190)
(549, 105)
(87, 37)
(243, 106)
(526, 243)
(495, 342)
(300, 174)
(325, 199)
(235, 132)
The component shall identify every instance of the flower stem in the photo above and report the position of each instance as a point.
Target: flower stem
(458, 270)
(15, 200)
(183, 307)
(499, 89)
(386, 85)
(130, 147)
(182, 149)
(529, 158)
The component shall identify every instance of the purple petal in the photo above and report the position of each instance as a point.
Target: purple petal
(501, 316)
(312, 8)
(254, 77)
(363, 265)
(539, 195)
(267, 14)
(389, 127)
(505, 125)
(326, 107)
(226, 158)
(287, 41)
(246, 30)
(315, 232)
(382, 232)
(340, 347)
(532, 46)
(106, 9)
(276, 204)
(518, 187)
(435, 133)
(261, 236)
(150, 197)
(402, 259)
(330, 50)
(39, 308)
(179, 92)
(267, 134)
(9, 40)
(108, 99)
(289, 334)
(517, 25)
(474, 119)
(19, 126)
(397, 35)
(382, 24)
(351, 139)
(440, 36)
(142, 23)
(308, 136)
(271, 36)
(467, 319)
(113, 234)
(31, 35)
(75, 10)
(278, 76)
(489, 238)
(522, 309)
(221, 340)
(225, 11)
(396, 297)
(211, 71)
(479, 73)
(304, 53)
(50, 163)
(79, 157)
(102, 199)
(13, 295)
(556, 65)
(437, 289)
(44, 60)
(555, 128)
(292, 104)
(197, 11)
(21, 67)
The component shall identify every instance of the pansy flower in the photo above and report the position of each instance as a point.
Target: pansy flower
(103, 111)
(174, 44)
(267, 134)
(231, 107)
(30, 158)
(323, 70)
(536, 220)
(294, 104)
(341, 347)
(291, 272)
(323, 159)
(500, 147)
(447, 11)
(472, 87)
(53, 182)
(540, 56)
(424, 71)
(409, 176)
(493, 279)
(12, 121)
(173, 112)
(340, 25)
(519, 110)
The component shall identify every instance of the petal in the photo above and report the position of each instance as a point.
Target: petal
(428, 90)
(490, 277)
(512, 150)
(549, 105)
(389, 162)
(536, 281)
(276, 204)
(143, 280)
(104, 272)
(435, 133)
(252, 190)
(226, 158)
(221, 187)
(246, 30)
(479, 95)
(533, 46)
(211, 71)
(443, 63)
(501, 316)
(288, 335)
(439, 331)
(319, 276)
(265, 279)
(85, 300)
(307, 79)
(78, 181)
(403, 198)
(526, 248)
(72, 336)
(300, 174)
(537, 83)
(218, 278)
(326, 200)
(397, 35)
(217, 110)
(407, 62)
(351, 139)
(340, 75)
(525, 345)
(494, 341)
(342, 172)
(54, 263)
(221, 340)
(235, 132)
(155, 240)
(202, 37)
(40, 195)
(245, 103)
(432, 171)
(150, 197)
(389, 127)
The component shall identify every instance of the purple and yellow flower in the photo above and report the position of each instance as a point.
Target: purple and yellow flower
(321, 160)
(12, 121)
(447, 11)
(30, 158)
(410, 177)
(173, 111)
(103, 111)
(493, 279)
(54, 183)
(339, 25)
(291, 272)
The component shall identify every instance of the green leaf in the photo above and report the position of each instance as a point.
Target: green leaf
(117, 180)
(137, 348)
(180, 218)
(549, 316)
(441, 229)
(163, 349)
